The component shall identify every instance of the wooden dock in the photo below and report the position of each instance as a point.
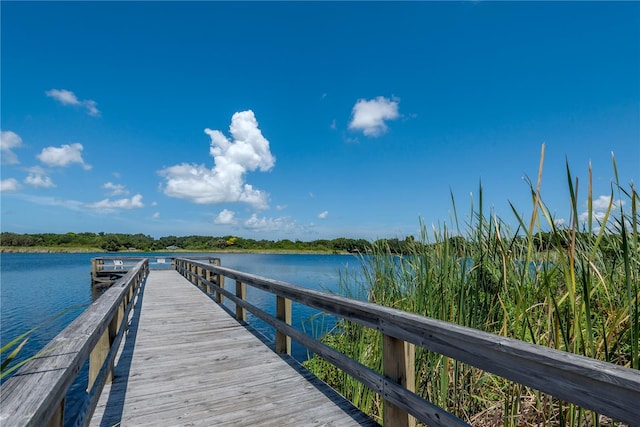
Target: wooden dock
(186, 361)
(162, 350)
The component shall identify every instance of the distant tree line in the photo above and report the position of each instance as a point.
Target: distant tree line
(114, 242)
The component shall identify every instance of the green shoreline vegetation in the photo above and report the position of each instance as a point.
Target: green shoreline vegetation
(117, 242)
(574, 288)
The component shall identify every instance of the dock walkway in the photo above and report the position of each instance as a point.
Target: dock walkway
(186, 361)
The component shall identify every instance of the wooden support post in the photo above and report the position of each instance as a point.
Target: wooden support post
(97, 357)
(399, 367)
(283, 312)
(199, 282)
(94, 269)
(241, 292)
(219, 282)
(207, 277)
(101, 350)
(57, 420)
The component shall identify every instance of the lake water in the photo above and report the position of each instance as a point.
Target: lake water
(35, 287)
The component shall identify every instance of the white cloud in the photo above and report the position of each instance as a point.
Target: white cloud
(333, 126)
(9, 184)
(38, 178)
(63, 156)
(156, 215)
(8, 141)
(270, 224)
(225, 217)
(66, 97)
(369, 115)
(109, 205)
(602, 203)
(599, 208)
(115, 189)
(248, 151)
(323, 215)
(281, 207)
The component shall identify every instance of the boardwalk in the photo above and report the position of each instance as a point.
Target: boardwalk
(187, 362)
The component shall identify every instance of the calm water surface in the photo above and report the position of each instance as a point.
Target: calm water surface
(35, 287)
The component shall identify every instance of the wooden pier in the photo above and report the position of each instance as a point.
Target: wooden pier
(105, 271)
(164, 352)
(174, 371)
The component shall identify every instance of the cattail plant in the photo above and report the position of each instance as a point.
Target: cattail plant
(572, 287)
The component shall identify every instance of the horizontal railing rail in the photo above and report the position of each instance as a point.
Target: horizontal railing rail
(603, 387)
(35, 395)
(114, 264)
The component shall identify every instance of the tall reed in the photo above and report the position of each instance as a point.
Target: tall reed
(573, 287)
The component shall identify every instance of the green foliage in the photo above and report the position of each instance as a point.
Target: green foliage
(14, 347)
(114, 242)
(575, 289)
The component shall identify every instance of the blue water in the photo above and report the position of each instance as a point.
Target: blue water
(36, 287)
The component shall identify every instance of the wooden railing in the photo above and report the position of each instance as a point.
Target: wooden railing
(608, 389)
(115, 264)
(35, 395)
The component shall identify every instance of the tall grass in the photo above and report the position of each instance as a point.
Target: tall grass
(573, 287)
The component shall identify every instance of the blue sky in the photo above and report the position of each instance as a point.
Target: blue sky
(308, 120)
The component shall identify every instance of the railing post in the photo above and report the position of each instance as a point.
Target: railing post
(199, 282)
(283, 312)
(241, 292)
(57, 420)
(97, 358)
(220, 283)
(398, 358)
(207, 278)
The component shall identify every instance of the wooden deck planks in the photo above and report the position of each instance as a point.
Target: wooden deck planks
(188, 362)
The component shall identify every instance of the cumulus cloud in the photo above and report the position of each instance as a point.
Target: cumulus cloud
(115, 189)
(63, 156)
(247, 151)
(156, 215)
(66, 97)
(126, 203)
(269, 224)
(225, 217)
(599, 209)
(38, 178)
(323, 215)
(369, 115)
(8, 141)
(9, 184)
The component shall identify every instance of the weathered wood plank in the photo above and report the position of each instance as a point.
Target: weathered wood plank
(186, 361)
(34, 394)
(603, 387)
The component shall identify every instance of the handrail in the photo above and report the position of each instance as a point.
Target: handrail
(35, 395)
(127, 261)
(606, 388)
